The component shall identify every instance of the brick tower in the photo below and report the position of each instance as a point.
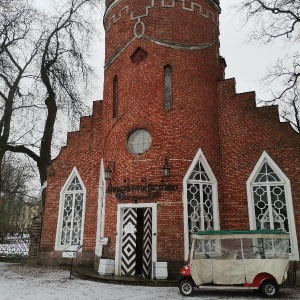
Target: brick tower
(161, 71)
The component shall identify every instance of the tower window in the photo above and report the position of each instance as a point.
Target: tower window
(168, 87)
(138, 55)
(115, 97)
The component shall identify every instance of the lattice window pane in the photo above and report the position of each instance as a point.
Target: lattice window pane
(270, 203)
(77, 219)
(208, 208)
(261, 207)
(199, 173)
(75, 185)
(271, 199)
(200, 207)
(202, 210)
(279, 209)
(72, 214)
(194, 207)
(67, 220)
(266, 174)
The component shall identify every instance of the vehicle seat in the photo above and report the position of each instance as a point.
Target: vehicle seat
(231, 256)
(255, 255)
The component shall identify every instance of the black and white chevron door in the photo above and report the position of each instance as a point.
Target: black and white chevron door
(129, 242)
(147, 242)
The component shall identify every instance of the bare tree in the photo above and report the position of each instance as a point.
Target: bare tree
(16, 192)
(43, 71)
(279, 20)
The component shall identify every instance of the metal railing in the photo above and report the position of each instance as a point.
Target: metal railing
(14, 241)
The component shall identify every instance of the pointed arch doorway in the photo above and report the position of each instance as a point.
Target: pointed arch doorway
(136, 240)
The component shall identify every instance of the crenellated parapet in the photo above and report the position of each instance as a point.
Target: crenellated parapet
(125, 9)
(177, 24)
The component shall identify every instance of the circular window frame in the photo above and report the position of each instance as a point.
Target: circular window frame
(136, 141)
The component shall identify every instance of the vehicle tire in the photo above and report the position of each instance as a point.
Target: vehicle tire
(269, 288)
(186, 288)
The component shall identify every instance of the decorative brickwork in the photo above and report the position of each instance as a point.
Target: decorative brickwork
(185, 5)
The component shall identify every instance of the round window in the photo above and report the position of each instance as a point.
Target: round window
(139, 141)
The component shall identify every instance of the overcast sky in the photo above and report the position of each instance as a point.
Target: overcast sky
(246, 62)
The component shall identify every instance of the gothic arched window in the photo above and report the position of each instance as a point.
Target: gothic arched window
(270, 200)
(71, 212)
(200, 198)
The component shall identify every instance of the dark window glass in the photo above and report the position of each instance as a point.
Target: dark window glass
(168, 87)
(115, 97)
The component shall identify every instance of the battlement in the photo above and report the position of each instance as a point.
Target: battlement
(190, 6)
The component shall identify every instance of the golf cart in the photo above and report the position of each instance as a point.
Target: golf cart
(236, 259)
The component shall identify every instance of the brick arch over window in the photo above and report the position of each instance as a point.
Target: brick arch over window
(270, 202)
(70, 222)
(200, 198)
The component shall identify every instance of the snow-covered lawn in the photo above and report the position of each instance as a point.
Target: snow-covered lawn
(40, 283)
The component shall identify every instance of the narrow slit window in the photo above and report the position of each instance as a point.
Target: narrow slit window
(115, 97)
(168, 87)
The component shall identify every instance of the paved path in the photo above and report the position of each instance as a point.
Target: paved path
(40, 283)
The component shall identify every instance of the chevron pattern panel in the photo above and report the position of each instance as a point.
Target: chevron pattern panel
(129, 241)
(147, 242)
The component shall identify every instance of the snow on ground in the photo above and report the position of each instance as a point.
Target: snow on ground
(40, 283)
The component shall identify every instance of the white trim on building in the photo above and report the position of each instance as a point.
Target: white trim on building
(101, 210)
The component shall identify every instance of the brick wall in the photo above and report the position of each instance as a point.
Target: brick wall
(206, 113)
(245, 132)
(83, 151)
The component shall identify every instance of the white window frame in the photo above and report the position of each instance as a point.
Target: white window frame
(289, 202)
(213, 181)
(101, 210)
(58, 246)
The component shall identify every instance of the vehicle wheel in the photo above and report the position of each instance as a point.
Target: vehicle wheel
(269, 288)
(186, 288)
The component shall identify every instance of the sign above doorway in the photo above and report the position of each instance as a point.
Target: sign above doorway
(140, 192)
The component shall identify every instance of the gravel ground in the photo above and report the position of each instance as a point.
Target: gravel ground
(40, 283)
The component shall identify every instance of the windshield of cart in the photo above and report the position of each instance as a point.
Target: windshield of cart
(228, 257)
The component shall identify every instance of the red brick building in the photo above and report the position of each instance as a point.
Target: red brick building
(167, 108)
